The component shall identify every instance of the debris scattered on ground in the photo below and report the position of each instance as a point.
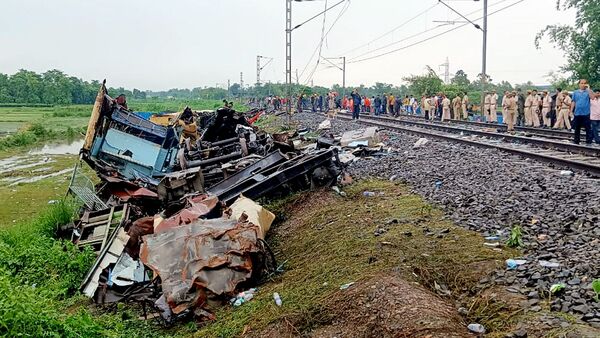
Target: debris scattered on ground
(174, 222)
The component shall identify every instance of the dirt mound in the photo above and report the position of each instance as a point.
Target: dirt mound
(383, 306)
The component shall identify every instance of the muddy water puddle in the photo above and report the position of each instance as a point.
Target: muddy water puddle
(38, 164)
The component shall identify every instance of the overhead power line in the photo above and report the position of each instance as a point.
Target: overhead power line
(432, 37)
(415, 35)
(392, 30)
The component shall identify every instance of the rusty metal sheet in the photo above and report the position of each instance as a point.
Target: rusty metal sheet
(198, 206)
(199, 259)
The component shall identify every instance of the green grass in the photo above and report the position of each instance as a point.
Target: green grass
(328, 241)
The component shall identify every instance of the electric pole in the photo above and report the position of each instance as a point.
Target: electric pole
(259, 68)
(288, 58)
(484, 54)
(343, 69)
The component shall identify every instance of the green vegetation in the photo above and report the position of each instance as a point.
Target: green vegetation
(596, 288)
(328, 241)
(515, 239)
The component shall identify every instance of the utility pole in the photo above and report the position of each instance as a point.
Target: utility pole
(288, 48)
(288, 58)
(242, 80)
(259, 68)
(228, 87)
(484, 54)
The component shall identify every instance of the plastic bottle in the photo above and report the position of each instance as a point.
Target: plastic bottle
(369, 194)
(277, 299)
(476, 328)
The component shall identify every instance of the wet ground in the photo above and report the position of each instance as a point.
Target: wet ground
(32, 179)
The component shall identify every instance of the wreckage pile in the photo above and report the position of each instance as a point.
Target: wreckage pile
(173, 221)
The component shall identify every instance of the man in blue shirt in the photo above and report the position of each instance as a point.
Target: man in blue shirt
(580, 107)
(356, 99)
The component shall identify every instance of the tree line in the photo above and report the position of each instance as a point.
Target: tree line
(52, 87)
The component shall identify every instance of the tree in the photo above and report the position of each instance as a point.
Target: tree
(428, 84)
(581, 42)
(461, 79)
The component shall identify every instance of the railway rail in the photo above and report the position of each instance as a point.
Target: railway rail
(564, 154)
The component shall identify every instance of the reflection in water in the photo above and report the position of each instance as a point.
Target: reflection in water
(59, 148)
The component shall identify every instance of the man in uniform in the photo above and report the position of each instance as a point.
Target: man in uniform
(465, 105)
(456, 103)
(558, 101)
(528, 103)
(446, 108)
(546, 106)
(535, 108)
(486, 106)
(425, 106)
(511, 111)
(494, 107)
(520, 107)
(563, 108)
(505, 98)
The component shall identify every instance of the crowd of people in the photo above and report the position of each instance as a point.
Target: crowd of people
(541, 109)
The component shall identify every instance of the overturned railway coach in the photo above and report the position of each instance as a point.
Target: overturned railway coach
(137, 148)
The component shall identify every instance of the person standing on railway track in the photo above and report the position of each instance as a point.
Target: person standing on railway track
(520, 107)
(356, 100)
(487, 102)
(445, 108)
(511, 110)
(494, 107)
(563, 108)
(456, 103)
(559, 98)
(580, 108)
(528, 104)
(535, 108)
(465, 105)
(546, 107)
(595, 115)
(505, 107)
(391, 104)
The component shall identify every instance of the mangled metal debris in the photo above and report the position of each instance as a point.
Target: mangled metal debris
(159, 218)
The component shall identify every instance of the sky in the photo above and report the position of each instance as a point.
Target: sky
(157, 45)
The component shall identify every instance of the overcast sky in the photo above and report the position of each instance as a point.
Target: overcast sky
(151, 44)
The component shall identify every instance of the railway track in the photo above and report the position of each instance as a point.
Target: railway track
(573, 156)
(530, 131)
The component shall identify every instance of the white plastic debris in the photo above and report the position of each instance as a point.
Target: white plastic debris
(476, 328)
(566, 173)
(346, 286)
(420, 142)
(548, 264)
(325, 125)
(277, 299)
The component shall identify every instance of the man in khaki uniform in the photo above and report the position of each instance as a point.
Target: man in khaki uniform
(465, 105)
(528, 103)
(535, 108)
(563, 111)
(505, 98)
(546, 107)
(425, 106)
(511, 110)
(445, 108)
(486, 106)
(494, 107)
(456, 103)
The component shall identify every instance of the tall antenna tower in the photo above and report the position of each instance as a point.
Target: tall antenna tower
(446, 66)
(242, 80)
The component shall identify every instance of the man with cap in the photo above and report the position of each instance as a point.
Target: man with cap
(505, 98)
(456, 103)
(486, 106)
(494, 107)
(535, 108)
(563, 108)
(445, 108)
(511, 110)
(520, 107)
(528, 103)
(465, 105)
(546, 107)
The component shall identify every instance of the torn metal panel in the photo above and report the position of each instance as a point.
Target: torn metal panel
(175, 185)
(259, 185)
(207, 256)
(274, 159)
(109, 255)
(198, 206)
